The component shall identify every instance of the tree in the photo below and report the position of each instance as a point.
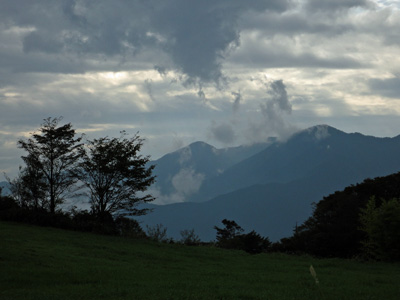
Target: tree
(334, 229)
(231, 237)
(29, 188)
(189, 237)
(53, 153)
(115, 174)
(231, 230)
(382, 227)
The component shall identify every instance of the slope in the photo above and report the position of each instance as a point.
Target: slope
(272, 190)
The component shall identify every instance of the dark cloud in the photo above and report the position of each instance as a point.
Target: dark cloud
(278, 102)
(279, 96)
(274, 108)
(223, 133)
(149, 89)
(195, 34)
(200, 32)
(330, 6)
(236, 101)
(386, 87)
(35, 42)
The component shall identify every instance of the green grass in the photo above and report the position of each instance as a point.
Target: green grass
(47, 263)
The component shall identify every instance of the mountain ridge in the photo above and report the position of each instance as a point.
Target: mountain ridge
(273, 189)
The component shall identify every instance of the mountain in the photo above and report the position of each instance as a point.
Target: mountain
(273, 189)
(305, 153)
(4, 186)
(181, 173)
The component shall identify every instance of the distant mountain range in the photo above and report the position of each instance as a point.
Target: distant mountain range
(267, 187)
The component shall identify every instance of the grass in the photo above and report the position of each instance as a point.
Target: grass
(47, 263)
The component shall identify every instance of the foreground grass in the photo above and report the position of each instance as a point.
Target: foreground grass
(46, 263)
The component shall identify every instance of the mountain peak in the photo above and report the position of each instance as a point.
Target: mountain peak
(200, 144)
(319, 132)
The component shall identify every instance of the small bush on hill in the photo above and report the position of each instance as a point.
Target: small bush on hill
(158, 233)
(231, 237)
(189, 237)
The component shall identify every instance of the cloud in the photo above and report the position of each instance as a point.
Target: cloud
(278, 52)
(236, 102)
(196, 35)
(279, 97)
(275, 106)
(187, 182)
(223, 133)
(100, 64)
(337, 5)
(149, 89)
(388, 87)
(321, 132)
(185, 155)
(273, 109)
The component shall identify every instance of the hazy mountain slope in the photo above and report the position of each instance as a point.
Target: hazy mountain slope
(4, 186)
(272, 210)
(310, 165)
(303, 154)
(181, 173)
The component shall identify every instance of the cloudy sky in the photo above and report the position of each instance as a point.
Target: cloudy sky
(227, 72)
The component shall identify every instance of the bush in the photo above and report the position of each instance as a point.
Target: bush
(230, 237)
(254, 243)
(157, 233)
(129, 228)
(189, 238)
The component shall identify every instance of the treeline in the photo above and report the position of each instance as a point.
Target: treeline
(362, 221)
(112, 175)
(59, 165)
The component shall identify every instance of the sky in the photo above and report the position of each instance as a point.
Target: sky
(227, 72)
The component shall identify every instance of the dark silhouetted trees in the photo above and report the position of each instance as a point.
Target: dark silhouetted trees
(382, 228)
(231, 237)
(116, 175)
(52, 159)
(335, 228)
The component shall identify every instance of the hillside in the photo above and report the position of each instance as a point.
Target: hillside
(273, 190)
(180, 174)
(46, 263)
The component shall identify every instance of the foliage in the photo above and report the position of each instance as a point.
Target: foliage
(157, 233)
(333, 230)
(230, 231)
(52, 158)
(231, 237)
(115, 174)
(189, 237)
(253, 243)
(87, 266)
(29, 188)
(128, 227)
(382, 227)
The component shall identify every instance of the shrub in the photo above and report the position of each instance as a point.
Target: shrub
(128, 227)
(189, 238)
(230, 237)
(157, 233)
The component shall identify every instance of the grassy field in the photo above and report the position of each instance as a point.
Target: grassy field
(45, 263)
